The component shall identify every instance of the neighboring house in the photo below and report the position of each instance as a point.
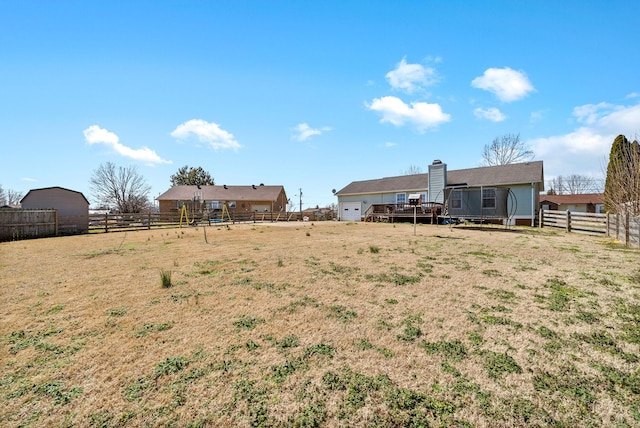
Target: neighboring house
(72, 207)
(239, 199)
(584, 203)
(314, 214)
(497, 192)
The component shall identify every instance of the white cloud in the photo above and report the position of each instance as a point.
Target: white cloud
(96, 135)
(206, 132)
(390, 144)
(419, 114)
(537, 116)
(492, 114)
(411, 77)
(505, 83)
(30, 180)
(590, 113)
(585, 149)
(633, 95)
(304, 131)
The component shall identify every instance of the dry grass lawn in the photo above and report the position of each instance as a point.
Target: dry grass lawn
(326, 324)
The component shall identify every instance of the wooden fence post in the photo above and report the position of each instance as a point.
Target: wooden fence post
(149, 220)
(617, 226)
(608, 223)
(626, 229)
(57, 225)
(106, 222)
(568, 221)
(541, 219)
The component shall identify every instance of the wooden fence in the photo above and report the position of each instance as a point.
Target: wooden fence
(115, 222)
(621, 227)
(26, 224)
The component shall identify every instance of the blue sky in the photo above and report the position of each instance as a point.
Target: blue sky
(309, 94)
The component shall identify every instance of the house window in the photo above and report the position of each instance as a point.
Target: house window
(489, 198)
(181, 204)
(401, 198)
(423, 195)
(456, 199)
(197, 196)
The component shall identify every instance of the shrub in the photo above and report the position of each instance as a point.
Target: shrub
(165, 278)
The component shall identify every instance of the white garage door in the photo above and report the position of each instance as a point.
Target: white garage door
(351, 211)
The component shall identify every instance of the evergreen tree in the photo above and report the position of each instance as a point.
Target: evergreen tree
(189, 176)
(614, 173)
(622, 188)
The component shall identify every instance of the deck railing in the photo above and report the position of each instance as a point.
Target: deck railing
(390, 212)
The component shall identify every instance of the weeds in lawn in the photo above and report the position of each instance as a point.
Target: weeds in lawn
(165, 278)
(364, 344)
(57, 391)
(341, 313)
(247, 322)
(454, 350)
(498, 364)
(117, 312)
(147, 328)
(411, 332)
(170, 365)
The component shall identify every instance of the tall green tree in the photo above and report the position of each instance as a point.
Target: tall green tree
(622, 187)
(190, 176)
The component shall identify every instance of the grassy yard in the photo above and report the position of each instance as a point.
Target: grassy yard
(326, 324)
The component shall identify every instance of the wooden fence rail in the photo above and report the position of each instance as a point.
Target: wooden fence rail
(115, 222)
(621, 227)
(26, 224)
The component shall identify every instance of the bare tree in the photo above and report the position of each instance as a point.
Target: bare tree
(578, 184)
(574, 184)
(121, 188)
(556, 186)
(13, 197)
(506, 150)
(412, 170)
(9, 197)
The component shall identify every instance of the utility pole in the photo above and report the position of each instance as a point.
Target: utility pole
(300, 203)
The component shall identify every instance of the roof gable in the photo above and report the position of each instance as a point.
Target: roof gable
(44, 189)
(223, 193)
(502, 175)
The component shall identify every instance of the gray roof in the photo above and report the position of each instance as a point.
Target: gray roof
(400, 183)
(502, 175)
(223, 193)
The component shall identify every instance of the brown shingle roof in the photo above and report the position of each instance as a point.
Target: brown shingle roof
(502, 175)
(220, 193)
(584, 198)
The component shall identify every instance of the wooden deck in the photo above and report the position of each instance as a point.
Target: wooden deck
(424, 213)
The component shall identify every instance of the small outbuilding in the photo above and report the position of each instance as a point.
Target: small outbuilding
(71, 205)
